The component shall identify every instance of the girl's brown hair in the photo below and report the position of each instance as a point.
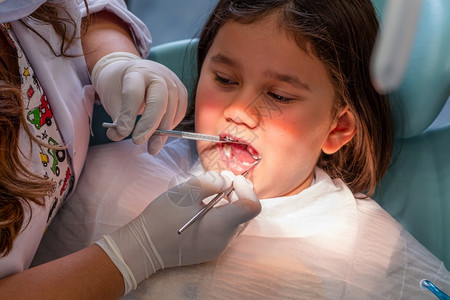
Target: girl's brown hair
(18, 186)
(341, 34)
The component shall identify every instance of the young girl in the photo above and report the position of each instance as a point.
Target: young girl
(308, 102)
(290, 80)
(48, 57)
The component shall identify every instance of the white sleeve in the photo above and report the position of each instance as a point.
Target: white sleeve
(139, 30)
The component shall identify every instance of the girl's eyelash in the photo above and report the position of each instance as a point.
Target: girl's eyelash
(279, 98)
(223, 80)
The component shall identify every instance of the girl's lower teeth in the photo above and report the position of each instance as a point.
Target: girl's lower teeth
(227, 150)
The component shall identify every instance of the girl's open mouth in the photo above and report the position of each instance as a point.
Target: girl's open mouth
(238, 156)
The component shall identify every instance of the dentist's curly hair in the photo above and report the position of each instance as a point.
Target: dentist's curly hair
(342, 35)
(18, 186)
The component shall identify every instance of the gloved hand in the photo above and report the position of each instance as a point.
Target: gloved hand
(129, 85)
(151, 241)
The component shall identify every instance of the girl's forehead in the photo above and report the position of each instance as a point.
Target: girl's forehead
(275, 23)
(267, 29)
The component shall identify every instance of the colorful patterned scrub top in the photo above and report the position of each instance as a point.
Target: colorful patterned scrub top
(38, 113)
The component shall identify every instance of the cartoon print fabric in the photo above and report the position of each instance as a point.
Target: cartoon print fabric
(38, 113)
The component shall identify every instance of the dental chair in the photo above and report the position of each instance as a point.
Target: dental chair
(416, 189)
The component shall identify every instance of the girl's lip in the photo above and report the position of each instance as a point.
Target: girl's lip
(227, 136)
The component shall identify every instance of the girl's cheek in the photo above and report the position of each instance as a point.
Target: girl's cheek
(207, 108)
(207, 114)
(208, 100)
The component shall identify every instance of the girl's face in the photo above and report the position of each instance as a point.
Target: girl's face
(257, 86)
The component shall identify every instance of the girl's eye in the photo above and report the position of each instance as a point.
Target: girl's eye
(279, 98)
(224, 81)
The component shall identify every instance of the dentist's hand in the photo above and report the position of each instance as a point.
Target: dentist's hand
(151, 241)
(128, 86)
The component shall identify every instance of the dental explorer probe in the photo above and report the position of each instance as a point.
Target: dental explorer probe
(214, 201)
(186, 135)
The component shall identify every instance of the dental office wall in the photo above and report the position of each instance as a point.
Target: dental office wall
(171, 20)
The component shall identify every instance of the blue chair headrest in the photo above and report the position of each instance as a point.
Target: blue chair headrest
(426, 85)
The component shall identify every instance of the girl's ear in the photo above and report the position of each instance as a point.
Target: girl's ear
(342, 131)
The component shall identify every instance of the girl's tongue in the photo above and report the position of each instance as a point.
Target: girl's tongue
(241, 154)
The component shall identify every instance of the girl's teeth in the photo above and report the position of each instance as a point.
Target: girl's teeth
(227, 150)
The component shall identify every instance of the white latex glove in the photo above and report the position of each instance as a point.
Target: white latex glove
(151, 241)
(128, 86)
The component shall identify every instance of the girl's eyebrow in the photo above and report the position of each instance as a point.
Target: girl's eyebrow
(223, 59)
(288, 78)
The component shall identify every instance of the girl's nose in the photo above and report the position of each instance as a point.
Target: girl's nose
(243, 110)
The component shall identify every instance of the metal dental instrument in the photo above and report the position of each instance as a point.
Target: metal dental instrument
(214, 201)
(186, 135)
